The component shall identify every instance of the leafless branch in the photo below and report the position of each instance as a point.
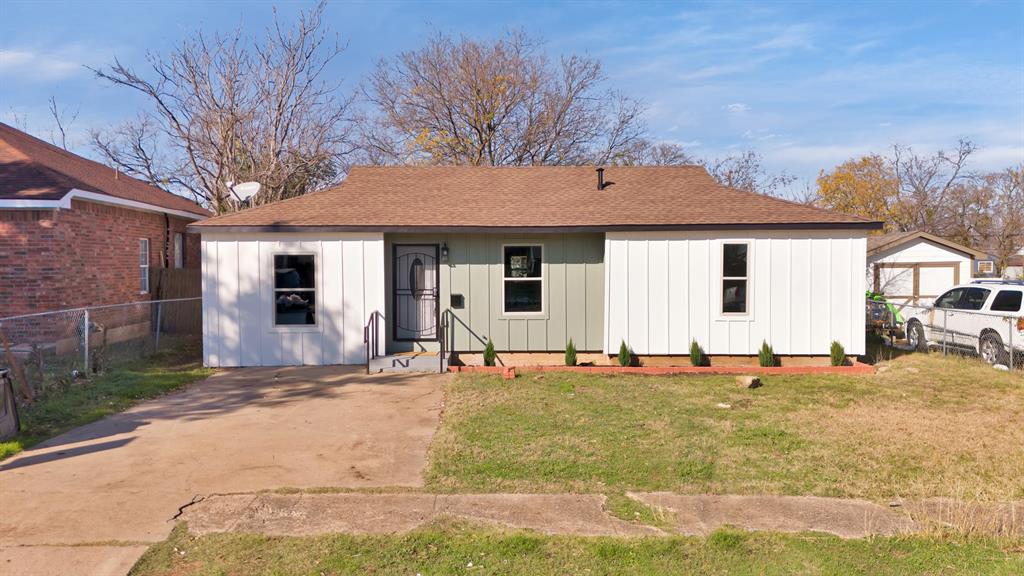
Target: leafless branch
(232, 108)
(60, 118)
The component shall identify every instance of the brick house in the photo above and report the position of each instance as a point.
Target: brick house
(74, 232)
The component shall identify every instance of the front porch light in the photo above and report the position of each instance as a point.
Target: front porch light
(444, 252)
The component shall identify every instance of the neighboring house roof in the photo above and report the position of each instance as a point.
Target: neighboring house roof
(534, 197)
(34, 173)
(883, 242)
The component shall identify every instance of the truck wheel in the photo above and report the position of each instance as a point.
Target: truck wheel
(916, 337)
(992, 350)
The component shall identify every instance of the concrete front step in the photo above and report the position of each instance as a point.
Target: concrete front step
(408, 363)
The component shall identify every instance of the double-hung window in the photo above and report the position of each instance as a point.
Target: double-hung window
(735, 278)
(144, 265)
(523, 279)
(294, 290)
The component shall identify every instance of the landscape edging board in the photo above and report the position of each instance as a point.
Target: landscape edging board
(857, 368)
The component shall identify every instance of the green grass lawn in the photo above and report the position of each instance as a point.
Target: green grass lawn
(463, 549)
(923, 426)
(124, 382)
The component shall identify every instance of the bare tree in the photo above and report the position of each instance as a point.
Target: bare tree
(928, 183)
(17, 119)
(644, 152)
(135, 147)
(502, 103)
(746, 172)
(58, 134)
(1004, 235)
(233, 109)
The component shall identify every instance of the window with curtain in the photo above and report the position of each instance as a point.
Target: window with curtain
(294, 290)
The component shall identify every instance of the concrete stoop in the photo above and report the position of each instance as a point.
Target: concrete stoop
(572, 514)
(425, 362)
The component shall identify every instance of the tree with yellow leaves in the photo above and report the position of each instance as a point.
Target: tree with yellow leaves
(866, 187)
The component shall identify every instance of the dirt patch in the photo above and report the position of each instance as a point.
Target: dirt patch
(307, 514)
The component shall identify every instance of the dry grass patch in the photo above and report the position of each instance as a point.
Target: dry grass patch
(924, 426)
(937, 426)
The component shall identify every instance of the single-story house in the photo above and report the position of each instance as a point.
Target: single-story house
(529, 258)
(910, 266)
(74, 232)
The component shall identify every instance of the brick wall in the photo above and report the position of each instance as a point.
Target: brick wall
(85, 256)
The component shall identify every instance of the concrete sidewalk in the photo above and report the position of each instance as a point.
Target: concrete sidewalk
(575, 514)
(123, 478)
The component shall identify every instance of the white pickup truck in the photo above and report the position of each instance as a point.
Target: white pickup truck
(985, 317)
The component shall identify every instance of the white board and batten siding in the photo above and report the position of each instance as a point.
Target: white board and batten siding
(238, 298)
(805, 289)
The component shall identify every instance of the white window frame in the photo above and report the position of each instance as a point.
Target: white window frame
(747, 279)
(317, 311)
(542, 279)
(143, 265)
(179, 250)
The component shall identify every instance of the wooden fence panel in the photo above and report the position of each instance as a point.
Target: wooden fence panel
(173, 283)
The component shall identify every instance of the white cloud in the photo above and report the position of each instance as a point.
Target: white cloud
(861, 47)
(736, 108)
(759, 135)
(998, 157)
(22, 65)
(795, 36)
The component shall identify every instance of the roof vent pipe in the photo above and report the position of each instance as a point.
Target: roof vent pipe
(600, 178)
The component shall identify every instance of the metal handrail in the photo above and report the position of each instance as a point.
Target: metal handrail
(371, 333)
(443, 339)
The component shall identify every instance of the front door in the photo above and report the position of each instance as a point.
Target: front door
(415, 278)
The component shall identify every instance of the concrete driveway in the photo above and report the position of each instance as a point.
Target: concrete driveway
(122, 479)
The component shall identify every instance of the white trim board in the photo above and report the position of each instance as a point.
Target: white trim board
(65, 203)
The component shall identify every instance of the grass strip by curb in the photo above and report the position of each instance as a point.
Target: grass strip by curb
(449, 547)
(623, 507)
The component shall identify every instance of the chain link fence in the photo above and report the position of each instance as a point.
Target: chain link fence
(998, 338)
(50, 349)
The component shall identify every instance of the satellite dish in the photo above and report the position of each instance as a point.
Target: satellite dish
(245, 190)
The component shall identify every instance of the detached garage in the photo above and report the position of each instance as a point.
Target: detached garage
(910, 266)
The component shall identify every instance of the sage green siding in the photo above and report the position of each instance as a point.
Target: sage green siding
(573, 269)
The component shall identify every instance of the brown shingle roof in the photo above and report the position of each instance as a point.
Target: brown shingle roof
(389, 197)
(31, 169)
(878, 243)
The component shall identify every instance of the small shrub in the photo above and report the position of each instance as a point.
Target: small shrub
(766, 356)
(625, 358)
(696, 354)
(837, 354)
(489, 354)
(570, 353)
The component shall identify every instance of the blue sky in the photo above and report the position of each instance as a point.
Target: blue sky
(807, 85)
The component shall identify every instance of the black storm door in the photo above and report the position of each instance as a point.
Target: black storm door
(415, 281)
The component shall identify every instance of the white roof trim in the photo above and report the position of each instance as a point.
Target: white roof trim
(65, 203)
